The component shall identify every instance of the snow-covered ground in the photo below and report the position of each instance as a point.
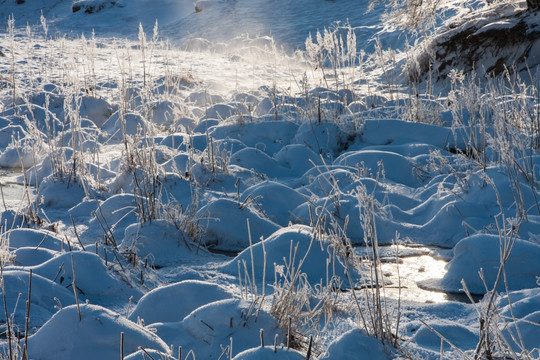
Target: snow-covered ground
(256, 179)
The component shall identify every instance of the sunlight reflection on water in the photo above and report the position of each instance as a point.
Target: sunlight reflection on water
(404, 267)
(408, 272)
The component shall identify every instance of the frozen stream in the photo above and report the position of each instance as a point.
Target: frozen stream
(13, 194)
(405, 268)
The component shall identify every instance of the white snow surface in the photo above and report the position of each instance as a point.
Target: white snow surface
(64, 336)
(194, 182)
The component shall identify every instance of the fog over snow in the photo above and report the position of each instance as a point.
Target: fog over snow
(241, 179)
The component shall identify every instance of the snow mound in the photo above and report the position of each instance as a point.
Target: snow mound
(215, 323)
(481, 252)
(393, 166)
(295, 244)
(276, 200)
(56, 193)
(391, 132)
(257, 160)
(95, 336)
(161, 243)
(326, 138)
(267, 136)
(117, 212)
(164, 114)
(95, 109)
(298, 158)
(225, 226)
(267, 352)
(173, 302)
(348, 345)
(522, 305)
(93, 279)
(46, 297)
(459, 335)
(130, 124)
(43, 239)
(149, 354)
(30, 256)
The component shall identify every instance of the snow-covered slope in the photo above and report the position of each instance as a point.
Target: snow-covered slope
(288, 22)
